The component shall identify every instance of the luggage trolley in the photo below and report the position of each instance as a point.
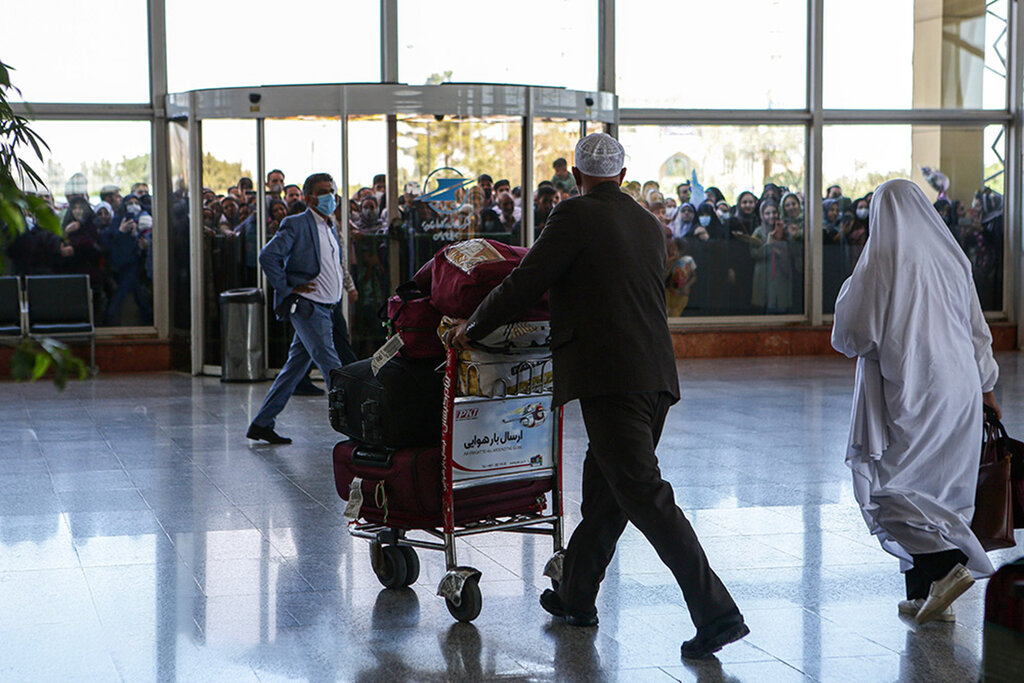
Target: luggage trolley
(501, 453)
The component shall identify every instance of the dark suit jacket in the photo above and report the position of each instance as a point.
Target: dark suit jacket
(292, 257)
(601, 257)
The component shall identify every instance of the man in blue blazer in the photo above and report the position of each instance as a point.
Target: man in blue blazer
(304, 263)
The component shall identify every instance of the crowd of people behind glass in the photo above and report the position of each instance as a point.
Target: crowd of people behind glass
(747, 257)
(722, 257)
(111, 241)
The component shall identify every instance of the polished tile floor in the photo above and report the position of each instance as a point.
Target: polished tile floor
(143, 538)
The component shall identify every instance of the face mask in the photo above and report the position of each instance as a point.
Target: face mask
(368, 216)
(379, 196)
(276, 188)
(487, 193)
(133, 209)
(30, 222)
(862, 214)
(723, 215)
(705, 221)
(326, 204)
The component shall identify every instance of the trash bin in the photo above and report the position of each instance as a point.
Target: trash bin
(241, 335)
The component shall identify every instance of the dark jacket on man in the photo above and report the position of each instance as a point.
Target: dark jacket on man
(601, 257)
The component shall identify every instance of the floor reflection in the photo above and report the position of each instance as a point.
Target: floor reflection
(142, 532)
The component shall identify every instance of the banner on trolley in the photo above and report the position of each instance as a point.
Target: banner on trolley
(506, 436)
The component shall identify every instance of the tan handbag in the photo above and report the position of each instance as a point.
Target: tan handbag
(993, 504)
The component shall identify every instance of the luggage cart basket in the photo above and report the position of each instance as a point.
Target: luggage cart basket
(508, 433)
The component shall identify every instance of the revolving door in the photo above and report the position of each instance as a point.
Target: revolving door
(417, 167)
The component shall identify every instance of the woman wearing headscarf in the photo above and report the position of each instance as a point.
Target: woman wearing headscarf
(911, 317)
(740, 227)
(833, 270)
(710, 241)
(81, 232)
(793, 218)
(830, 220)
(713, 195)
(773, 263)
(685, 221)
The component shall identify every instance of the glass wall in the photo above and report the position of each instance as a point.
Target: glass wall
(731, 199)
(97, 177)
(74, 51)
(371, 252)
(690, 101)
(551, 43)
(230, 235)
(949, 55)
(264, 42)
(732, 54)
(295, 149)
(960, 168)
(181, 238)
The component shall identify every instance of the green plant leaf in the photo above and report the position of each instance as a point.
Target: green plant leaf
(42, 364)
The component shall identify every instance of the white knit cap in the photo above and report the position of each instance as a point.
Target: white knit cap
(600, 155)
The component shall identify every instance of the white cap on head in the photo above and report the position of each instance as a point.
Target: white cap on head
(600, 155)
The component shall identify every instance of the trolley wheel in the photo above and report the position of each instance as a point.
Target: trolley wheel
(391, 570)
(412, 564)
(469, 607)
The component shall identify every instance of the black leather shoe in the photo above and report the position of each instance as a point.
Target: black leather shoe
(257, 433)
(714, 636)
(307, 388)
(552, 604)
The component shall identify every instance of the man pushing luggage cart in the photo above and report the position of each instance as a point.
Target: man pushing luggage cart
(600, 258)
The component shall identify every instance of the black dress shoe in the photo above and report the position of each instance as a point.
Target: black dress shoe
(552, 604)
(307, 388)
(257, 433)
(714, 636)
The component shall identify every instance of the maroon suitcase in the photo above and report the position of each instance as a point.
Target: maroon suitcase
(416, 321)
(402, 488)
(1003, 639)
(464, 273)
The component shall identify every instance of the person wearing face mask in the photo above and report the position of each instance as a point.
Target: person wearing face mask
(368, 220)
(125, 258)
(704, 245)
(772, 291)
(724, 211)
(275, 184)
(854, 233)
(304, 263)
(380, 189)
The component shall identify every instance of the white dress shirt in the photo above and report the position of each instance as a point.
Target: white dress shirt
(328, 282)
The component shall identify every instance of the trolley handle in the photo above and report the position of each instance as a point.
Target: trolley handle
(373, 457)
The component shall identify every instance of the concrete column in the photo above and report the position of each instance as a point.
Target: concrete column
(949, 66)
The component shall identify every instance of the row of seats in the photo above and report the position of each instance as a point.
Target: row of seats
(55, 306)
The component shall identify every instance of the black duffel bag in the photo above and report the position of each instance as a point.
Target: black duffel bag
(398, 408)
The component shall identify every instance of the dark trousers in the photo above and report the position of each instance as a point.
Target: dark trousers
(622, 483)
(929, 568)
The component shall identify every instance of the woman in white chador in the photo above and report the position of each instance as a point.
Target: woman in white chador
(911, 316)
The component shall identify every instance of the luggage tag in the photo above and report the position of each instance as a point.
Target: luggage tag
(355, 499)
(385, 353)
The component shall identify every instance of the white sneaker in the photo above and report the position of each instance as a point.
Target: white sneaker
(910, 608)
(943, 592)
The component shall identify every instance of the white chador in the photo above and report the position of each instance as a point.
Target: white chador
(911, 316)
